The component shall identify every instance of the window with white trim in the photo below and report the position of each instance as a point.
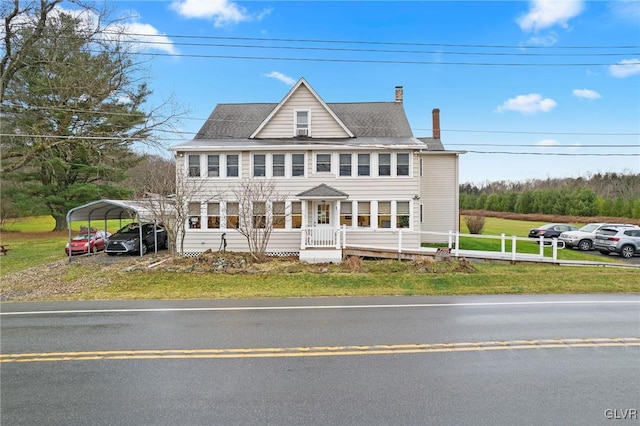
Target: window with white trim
(259, 165)
(213, 165)
(278, 216)
(194, 165)
(364, 214)
(297, 164)
(345, 164)
(259, 213)
(233, 217)
(302, 120)
(233, 165)
(277, 166)
(346, 215)
(402, 164)
(213, 215)
(384, 214)
(323, 163)
(403, 214)
(296, 214)
(384, 164)
(194, 215)
(364, 164)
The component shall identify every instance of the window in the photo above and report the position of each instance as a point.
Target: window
(278, 215)
(302, 123)
(232, 165)
(296, 214)
(259, 215)
(364, 164)
(346, 217)
(259, 165)
(402, 166)
(323, 163)
(232, 216)
(345, 164)
(213, 165)
(278, 165)
(384, 164)
(297, 164)
(194, 215)
(384, 214)
(194, 166)
(364, 214)
(213, 215)
(402, 214)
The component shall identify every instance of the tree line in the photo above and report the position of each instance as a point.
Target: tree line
(608, 194)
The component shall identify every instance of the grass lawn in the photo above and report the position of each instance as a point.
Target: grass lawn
(33, 245)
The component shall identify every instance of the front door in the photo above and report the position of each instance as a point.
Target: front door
(322, 223)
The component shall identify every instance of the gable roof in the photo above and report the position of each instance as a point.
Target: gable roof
(322, 191)
(432, 144)
(301, 82)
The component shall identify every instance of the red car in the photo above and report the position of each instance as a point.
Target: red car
(88, 242)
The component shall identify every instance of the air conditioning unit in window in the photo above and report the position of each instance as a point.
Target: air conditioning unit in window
(302, 132)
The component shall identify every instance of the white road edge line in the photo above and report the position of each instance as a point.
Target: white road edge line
(285, 308)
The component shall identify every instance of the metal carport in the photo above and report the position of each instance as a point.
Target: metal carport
(104, 210)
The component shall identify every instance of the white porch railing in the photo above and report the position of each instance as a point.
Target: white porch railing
(320, 238)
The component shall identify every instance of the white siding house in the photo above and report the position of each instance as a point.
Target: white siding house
(344, 174)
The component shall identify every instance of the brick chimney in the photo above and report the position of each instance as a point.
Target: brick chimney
(399, 94)
(436, 123)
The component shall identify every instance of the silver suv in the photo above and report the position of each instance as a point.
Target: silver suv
(624, 241)
(583, 237)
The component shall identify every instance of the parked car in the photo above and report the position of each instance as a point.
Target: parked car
(622, 240)
(127, 239)
(583, 237)
(89, 241)
(551, 230)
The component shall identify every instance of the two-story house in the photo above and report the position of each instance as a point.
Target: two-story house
(344, 174)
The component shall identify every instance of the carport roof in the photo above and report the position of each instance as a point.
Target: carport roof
(112, 209)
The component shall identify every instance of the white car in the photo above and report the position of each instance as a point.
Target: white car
(583, 237)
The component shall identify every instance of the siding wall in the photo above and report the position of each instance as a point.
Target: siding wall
(439, 195)
(281, 125)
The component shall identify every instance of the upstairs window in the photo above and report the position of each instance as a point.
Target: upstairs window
(297, 164)
(402, 166)
(323, 163)
(259, 165)
(364, 165)
(213, 165)
(345, 164)
(232, 165)
(384, 164)
(194, 166)
(278, 165)
(302, 123)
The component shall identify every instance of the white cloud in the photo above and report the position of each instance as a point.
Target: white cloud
(528, 104)
(586, 93)
(547, 13)
(626, 10)
(544, 41)
(223, 12)
(625, 68)
(283, 78)
(146, 37)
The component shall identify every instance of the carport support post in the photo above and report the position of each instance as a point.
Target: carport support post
(69, 243)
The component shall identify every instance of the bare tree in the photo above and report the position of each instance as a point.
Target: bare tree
(260, 209)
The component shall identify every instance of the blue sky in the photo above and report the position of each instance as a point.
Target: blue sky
(531, 89)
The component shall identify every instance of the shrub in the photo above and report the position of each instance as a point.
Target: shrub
(475, 224)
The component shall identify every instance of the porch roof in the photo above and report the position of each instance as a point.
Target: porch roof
(322, 191)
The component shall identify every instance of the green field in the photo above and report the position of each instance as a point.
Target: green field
(32, 245)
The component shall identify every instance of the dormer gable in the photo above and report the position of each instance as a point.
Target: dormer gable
(302, 113)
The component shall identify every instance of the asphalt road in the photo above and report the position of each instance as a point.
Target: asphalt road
(404, 360)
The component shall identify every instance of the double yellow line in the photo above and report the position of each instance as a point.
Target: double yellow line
(316, 351)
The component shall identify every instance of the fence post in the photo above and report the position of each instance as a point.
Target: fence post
(502, 243)
(513, 248)
(457, 243)
(450, 239)
(541, 242)
(555, 249)
(399, 242)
